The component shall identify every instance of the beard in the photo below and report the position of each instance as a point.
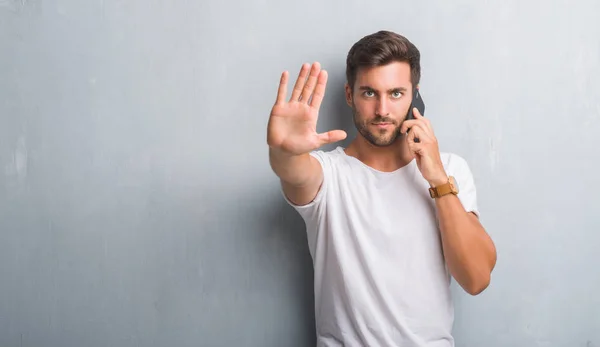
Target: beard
(377, 137)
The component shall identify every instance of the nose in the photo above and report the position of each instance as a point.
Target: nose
(382, 107)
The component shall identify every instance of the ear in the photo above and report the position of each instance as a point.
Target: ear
(348, 94)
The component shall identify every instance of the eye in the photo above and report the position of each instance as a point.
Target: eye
(396, 94)
(369, 93)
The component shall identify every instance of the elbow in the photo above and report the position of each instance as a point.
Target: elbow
(481, 279)
(477, 287)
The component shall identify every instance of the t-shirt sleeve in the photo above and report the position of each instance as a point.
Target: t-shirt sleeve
(466, 184)
(313, 210)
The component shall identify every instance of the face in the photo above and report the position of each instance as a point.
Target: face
(380, 101)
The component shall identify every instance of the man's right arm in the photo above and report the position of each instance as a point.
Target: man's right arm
(301, 175)
(291, 135)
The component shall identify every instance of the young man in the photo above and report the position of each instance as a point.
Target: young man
(389, 218)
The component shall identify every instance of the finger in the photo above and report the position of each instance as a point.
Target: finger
(414, 137)
(428, 123)
(300, 82)
(424, 129)
(319, 93)
(331, 136)
(282, 91)
(311, 82)
(418, 134)
(419, 116)
(408, 124)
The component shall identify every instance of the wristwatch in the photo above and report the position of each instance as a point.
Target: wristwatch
(450, 187)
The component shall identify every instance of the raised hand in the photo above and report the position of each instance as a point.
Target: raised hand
(292, 126)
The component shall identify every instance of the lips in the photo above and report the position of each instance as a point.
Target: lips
(382, 125)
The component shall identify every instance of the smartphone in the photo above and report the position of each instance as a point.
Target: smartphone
(417, 101)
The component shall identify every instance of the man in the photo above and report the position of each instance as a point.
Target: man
(389, 218)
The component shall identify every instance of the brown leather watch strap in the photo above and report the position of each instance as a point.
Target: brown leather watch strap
(444, 189)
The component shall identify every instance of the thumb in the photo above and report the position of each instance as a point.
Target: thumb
(332, 136)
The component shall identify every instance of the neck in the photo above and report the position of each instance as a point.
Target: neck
(386, 159)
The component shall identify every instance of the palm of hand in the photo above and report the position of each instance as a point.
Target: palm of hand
(293, 127)
(292, 124)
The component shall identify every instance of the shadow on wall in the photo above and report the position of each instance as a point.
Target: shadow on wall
(335, 113)
(239, 256)
(287, 256)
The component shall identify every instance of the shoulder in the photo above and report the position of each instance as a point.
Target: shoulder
(454, 163)
(458, 167)
(337, 152)
(329, 161)
(329, 158)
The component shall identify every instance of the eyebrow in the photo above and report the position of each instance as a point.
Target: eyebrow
(399, 89)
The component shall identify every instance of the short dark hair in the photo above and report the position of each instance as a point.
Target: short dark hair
(382, 48)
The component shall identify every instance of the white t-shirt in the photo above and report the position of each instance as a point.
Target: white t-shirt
(380, 275)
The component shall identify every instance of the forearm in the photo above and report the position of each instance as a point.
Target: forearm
(295, 170)
(468, 250)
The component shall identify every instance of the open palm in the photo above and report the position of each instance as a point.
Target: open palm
(292, 124)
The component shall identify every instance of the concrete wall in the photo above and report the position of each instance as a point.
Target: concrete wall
(137, 206)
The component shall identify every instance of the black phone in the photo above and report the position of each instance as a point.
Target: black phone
(417, 101)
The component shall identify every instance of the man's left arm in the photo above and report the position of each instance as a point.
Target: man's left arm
(468, 250)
